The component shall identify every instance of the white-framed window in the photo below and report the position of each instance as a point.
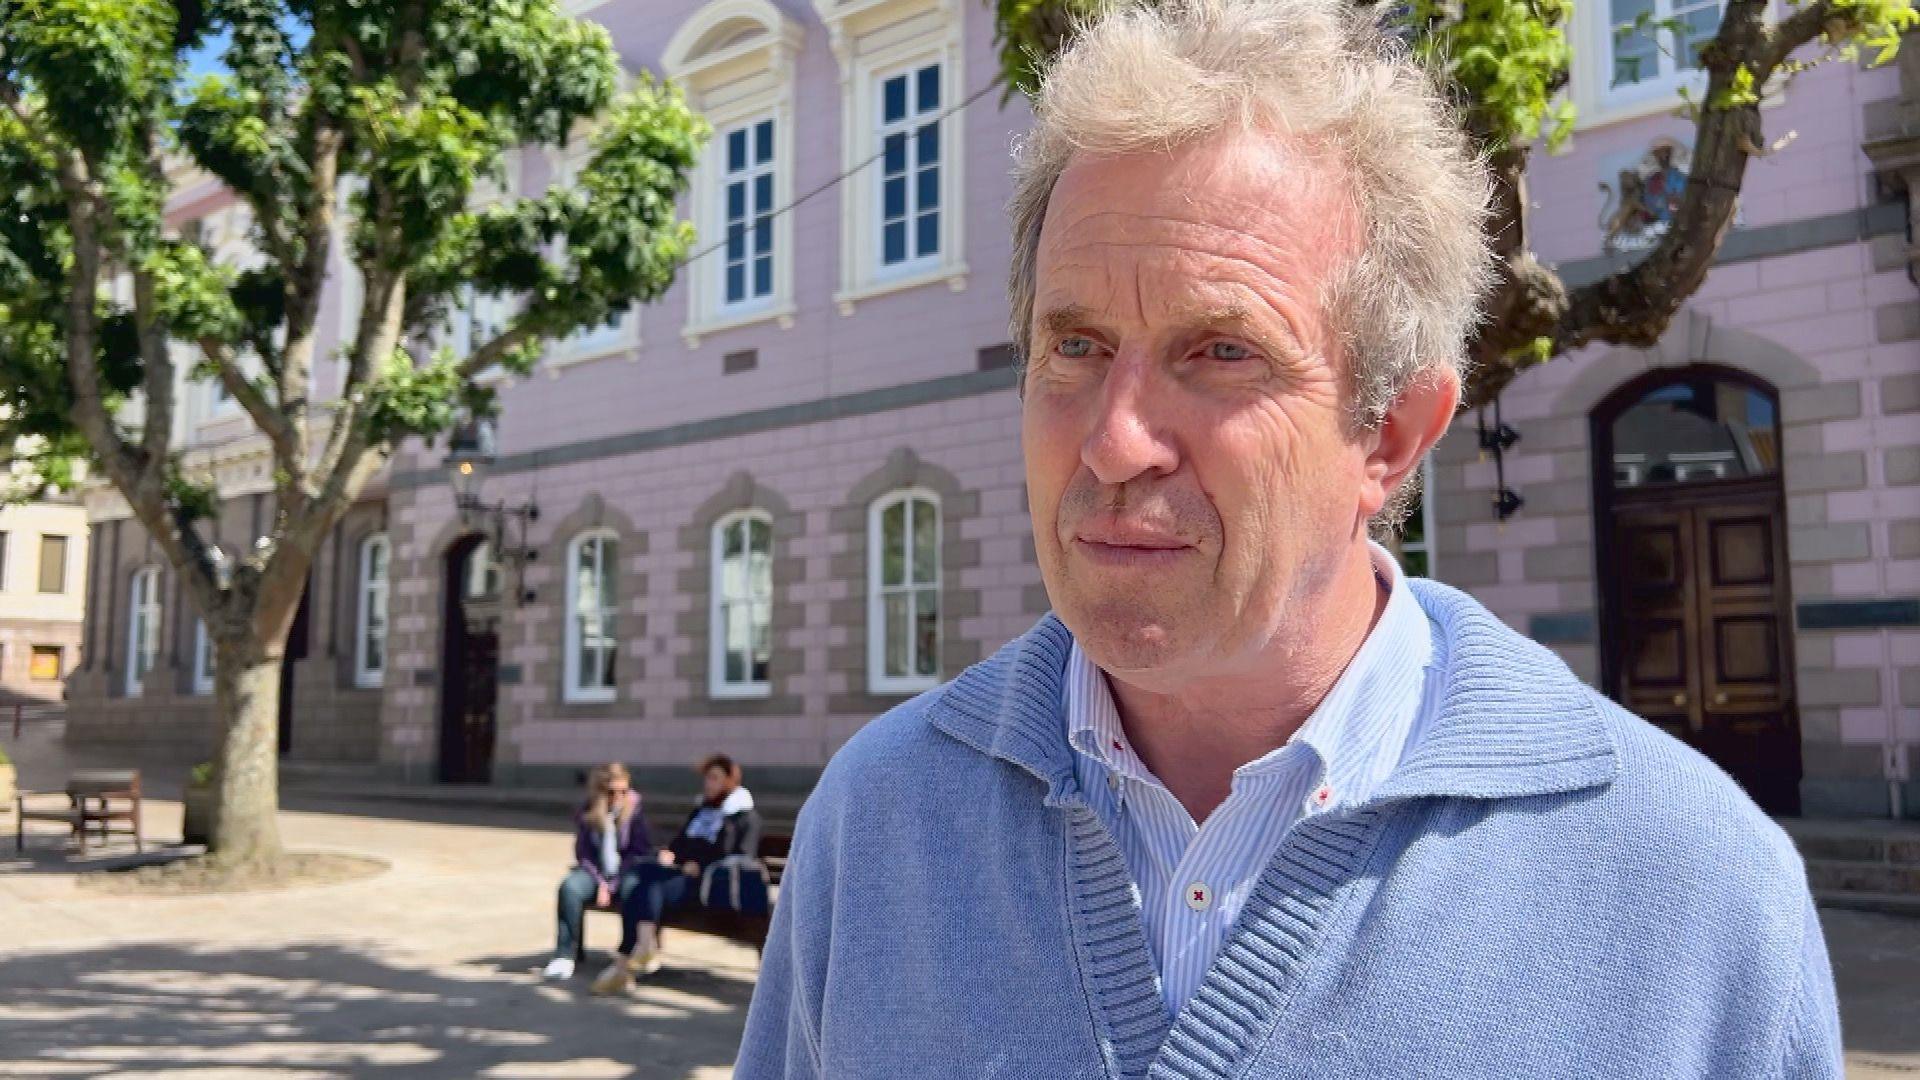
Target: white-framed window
(902, 214)
(143, 627)
(747, 201)
(203, 658)
(741, 633)
(370, 622)
(1417, 536)
(619, 334)
(903, 592)
(909, 193)
(734, 59)
(1638, 57)
(592, 638)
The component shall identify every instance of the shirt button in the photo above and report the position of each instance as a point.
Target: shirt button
(1199, 896)
(1113, 782)
(1321, 796)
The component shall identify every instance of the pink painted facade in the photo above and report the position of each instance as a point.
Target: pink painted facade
(865, 382)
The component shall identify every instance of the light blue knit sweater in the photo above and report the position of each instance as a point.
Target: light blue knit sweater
(1546, 887)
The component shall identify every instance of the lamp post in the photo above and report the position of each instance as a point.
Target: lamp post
(470, 455)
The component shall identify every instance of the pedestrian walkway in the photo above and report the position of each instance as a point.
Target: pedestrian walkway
(427, 970)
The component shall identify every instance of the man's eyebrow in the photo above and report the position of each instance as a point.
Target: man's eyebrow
(1237, 319)
(1071, 317)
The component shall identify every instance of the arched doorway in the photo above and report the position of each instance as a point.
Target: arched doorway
(470, 662)
(1695, 609)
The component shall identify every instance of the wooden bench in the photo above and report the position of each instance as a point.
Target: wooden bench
(99, 802)
(732, 925)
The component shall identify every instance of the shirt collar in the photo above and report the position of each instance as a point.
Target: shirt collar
(1357, 733)
(1511, 721)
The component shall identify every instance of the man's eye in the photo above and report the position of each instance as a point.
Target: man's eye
(1228, 351)
(1075, 348)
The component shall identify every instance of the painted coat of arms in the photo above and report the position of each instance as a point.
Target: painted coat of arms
(1641, 209)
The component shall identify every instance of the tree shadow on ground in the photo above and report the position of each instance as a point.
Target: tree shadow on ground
(338, 1010)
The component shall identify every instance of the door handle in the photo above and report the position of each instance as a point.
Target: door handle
(1679, 701)
(1720, 698)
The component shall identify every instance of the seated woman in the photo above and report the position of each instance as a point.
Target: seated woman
(723, 825)
(610, 848)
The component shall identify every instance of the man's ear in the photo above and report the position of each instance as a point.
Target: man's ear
(1415, 420)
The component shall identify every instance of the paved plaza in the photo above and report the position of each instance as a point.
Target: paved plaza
(427, 970)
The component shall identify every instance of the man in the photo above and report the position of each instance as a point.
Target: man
(1250, 803)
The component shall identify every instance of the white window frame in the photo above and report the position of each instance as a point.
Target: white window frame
(371, 595)
(480, 317)
(874, 40)
(1429, 539)
(573, 690)
(734, 75)
(620, 337)
(203, 660)
(1598, 102)
(718, 685)
(878, 682)
(143, 627)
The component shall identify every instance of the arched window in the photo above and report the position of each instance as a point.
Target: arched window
(143, 627)
(592, 641)
(370, 625)
(742, 610)
(903, 592)
(1698, 428)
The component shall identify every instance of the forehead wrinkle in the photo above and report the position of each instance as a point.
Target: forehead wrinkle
(1278, 250)
(1248, 315)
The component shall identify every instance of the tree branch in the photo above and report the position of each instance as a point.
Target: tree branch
(280, 429)
(142, 482)
(1635, 305)
(156, 361)
(484, 357)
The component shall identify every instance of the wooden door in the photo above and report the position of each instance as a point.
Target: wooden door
(470, 675)
(1658, 620)
(1747, 719)
(1702, 626)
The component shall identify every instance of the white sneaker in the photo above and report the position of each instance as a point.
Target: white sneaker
(646, 965)
(560, 967)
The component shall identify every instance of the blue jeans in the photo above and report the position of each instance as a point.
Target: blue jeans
(659, 889)
(577, 890)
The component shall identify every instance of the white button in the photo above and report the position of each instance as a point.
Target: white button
(1199, 896)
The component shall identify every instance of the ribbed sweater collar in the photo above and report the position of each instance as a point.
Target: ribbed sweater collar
(1513, 720)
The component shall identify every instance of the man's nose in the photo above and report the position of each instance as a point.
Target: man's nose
(1127, 439)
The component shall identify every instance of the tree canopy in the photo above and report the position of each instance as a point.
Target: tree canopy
(1508, 61)
(362, 124)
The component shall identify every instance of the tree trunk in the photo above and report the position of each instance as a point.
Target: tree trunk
(246, 827)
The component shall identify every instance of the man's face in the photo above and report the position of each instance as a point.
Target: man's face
(1191, 469)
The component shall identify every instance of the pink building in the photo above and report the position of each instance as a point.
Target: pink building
(789, 494)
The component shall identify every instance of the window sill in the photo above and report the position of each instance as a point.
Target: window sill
(694, 331)
(558, 362)
(900, 687)
(580, 696)
(954, 274)
(742, 692)
(1658, 100)
(202, 689)
(370, 680)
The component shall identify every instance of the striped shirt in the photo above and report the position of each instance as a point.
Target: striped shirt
(1194, 878)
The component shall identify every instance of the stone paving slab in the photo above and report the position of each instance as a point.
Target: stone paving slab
(427, 970)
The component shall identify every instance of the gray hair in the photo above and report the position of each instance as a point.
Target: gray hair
(1150, 77)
